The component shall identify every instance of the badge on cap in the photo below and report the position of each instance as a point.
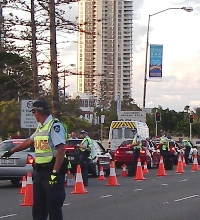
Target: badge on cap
(56, 128)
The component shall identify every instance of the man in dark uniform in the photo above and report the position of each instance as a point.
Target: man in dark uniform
(135, 146)
(85, 155)
(49, 177)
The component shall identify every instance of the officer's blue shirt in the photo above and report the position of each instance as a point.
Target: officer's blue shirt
(138, 138)
(57, 133)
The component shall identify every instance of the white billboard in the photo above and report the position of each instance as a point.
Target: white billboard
(27, 118)
(132, 116)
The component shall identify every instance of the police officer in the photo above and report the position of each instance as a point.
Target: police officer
(136, 146)
(187, 145)
(49, 176)
(85, 148)
(164, 145)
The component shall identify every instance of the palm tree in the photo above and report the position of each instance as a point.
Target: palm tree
(187, 108)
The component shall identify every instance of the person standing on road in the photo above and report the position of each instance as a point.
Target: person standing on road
(187, 145)
(136, 146)
(85, 148)
(50, 164)
(164, 145)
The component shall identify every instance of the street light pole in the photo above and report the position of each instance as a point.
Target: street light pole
(188, 9)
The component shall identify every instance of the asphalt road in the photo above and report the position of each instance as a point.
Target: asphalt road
(174, 197)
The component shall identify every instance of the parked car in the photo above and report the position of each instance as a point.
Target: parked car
(18, 164)
(124, 154)
(100, 157)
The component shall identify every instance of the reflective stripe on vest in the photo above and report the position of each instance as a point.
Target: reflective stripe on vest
(43, 151)
(135, 141)
(165, 142)
(89, 145)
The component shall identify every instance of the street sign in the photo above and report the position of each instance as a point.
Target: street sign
(132, 116)
(27, 118)
(102, 119)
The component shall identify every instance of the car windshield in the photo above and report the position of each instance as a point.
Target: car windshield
(7, 145)
(124, 143)
(73, 142)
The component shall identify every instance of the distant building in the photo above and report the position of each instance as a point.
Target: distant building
(105, 48)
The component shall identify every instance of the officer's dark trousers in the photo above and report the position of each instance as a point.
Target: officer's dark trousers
(84, 162)
(136, 155)
(186, 156)
(47, 200)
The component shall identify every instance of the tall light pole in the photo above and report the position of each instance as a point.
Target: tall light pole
(188, 9)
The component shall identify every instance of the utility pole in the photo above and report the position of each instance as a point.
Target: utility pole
(53, 62)
(34, 53)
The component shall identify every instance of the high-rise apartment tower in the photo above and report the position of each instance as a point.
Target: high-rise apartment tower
(105, 48)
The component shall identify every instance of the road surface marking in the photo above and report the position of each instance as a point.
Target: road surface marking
(105, 196)
(183, 180)
(188, 197)
(6, 216)
(67, 204)
(164, 184)
(137, 189)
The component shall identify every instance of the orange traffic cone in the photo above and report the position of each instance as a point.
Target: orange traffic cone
(112, 179)
(195, 165)
(179, 167)
(28, 196)
(23, 187)
(139, 173)
(124, 172)
(145, 169)
(79, 187)
(161, 168)
(101, 174)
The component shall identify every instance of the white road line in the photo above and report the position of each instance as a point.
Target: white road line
(164, 184)
(188, 197)
(6, 216)
(183, 180)
(67, 204)
(105, 196)
(137, 189)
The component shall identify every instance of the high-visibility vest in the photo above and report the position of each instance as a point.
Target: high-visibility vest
(43, 152)
(135, 141)
(187, 143)
(165, 142)
(89, 146)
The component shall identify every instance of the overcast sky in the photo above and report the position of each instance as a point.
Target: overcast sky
(178, 32)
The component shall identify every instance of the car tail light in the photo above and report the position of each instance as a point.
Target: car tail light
(172, 149)
(29, 159)
(117, 152)
(69, 148)
(142, 151)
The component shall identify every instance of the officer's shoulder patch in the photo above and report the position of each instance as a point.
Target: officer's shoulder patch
(56, 128)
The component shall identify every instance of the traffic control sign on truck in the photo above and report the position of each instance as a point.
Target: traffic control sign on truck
(121, 131)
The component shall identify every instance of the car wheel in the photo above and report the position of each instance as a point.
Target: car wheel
(15, 181)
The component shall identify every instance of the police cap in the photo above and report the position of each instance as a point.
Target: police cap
(40, 105)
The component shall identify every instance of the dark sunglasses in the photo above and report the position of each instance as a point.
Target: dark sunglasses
(33, 111)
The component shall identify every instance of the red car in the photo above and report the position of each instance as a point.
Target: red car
(124, 154)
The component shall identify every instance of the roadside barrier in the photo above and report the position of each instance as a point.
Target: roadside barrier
(28, 195)
(112, 179)
(139, 172)
(23, 187)
(124, 171)
(195, 165)
(179, 167)
(101, 174)
(79, 187)
(145, 169)
(161, 168)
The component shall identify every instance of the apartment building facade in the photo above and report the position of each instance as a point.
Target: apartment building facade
(105, 48)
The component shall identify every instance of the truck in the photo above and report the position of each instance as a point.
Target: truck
(121, 130)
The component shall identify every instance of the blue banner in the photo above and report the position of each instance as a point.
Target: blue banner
(155, 64)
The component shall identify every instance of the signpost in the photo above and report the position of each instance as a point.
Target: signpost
(132, 116)
(27, 118)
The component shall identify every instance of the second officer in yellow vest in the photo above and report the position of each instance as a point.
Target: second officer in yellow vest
(85, 155)
(135, 146)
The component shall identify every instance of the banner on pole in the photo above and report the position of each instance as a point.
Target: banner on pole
(155, 64)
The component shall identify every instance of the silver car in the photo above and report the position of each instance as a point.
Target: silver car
(18, 164)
